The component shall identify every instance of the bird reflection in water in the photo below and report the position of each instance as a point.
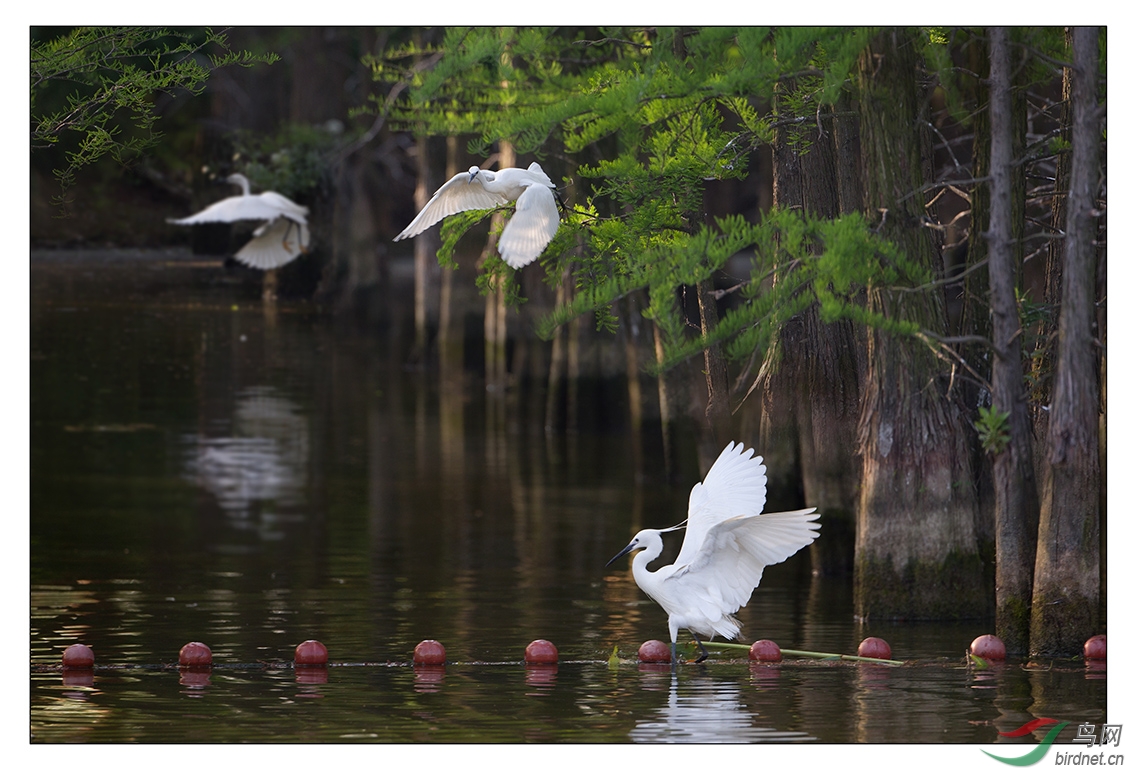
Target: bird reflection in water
(258, 474)
(705, 710)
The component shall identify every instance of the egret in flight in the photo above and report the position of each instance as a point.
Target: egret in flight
(727, 545)
(532, 226)
(283, 236)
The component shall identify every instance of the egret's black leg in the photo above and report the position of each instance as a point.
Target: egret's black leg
(702, 648)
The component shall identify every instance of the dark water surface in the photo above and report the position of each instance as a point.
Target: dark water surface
(205, 469)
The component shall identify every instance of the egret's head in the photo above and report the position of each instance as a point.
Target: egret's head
(644, 539)
(473, 172)
(637, 543)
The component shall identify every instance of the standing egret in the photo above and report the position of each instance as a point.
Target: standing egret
(282, 238)
(532, 226)
(728, 543)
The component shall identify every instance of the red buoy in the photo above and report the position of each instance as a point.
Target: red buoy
(311, 653)
(541, 652)
(874, 648)
(988, 647)
(429, 652)
(655, 652)
(765, 650)
(80, 657)
(195, 654)
(1095, 647)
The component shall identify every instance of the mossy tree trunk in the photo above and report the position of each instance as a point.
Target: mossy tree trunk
(916, 552)
(1066, 588)
(1015, 490)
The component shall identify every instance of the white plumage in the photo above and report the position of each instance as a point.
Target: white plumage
(533, 225)
(728, 544)
(283, 236)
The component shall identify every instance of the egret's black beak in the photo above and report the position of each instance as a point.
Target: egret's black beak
(620, 554)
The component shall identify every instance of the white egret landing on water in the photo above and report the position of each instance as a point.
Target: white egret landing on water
(527, 233)
(283, 236)
(728, 543)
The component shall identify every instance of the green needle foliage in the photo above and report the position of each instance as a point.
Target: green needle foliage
(646, 117)
(93, 89)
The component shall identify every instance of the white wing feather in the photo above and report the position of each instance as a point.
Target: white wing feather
(723, 573)
(531, 228)
(232, 209)
(456, 195)
(288, 208)
(266, 250)
(734, 487)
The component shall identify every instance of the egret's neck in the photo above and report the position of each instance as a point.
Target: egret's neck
(492, 185)
(649, 554)
(240, 179)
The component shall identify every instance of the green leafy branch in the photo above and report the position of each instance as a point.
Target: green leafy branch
(112, 75)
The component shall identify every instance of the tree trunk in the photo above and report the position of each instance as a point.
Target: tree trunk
(779, 377)
(916, 553)
(630, 329)
(1054, 267)
(1015, 491)
(268, 286)
(846, 149)
(817, 372)
(572, 396)
(424, 251)
(1067, 573)
(717, 379)
(449, 339)
(666, 417)
(554, 399)
(496, 312)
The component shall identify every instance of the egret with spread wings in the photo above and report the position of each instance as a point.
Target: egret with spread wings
(727, 545)
(528, 232)
(282, 237)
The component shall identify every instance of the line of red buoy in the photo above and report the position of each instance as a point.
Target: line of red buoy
(310, 653)
(991, 648)
(313, 653)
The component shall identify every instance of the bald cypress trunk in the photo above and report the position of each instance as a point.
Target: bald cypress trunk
(816, 377)
(1015, 491)
(1044, 353)
(1066, 591)
(916, 552)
